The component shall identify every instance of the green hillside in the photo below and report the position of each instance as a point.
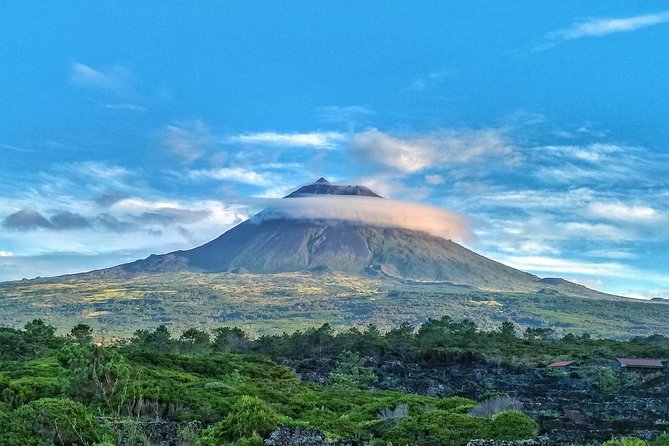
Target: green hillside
(273, 303)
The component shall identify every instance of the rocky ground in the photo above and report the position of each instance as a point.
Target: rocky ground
(570, 410)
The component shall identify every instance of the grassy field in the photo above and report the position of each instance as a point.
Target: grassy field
(265, 304)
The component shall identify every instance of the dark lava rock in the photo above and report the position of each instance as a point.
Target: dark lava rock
(159, 433)
(299, 436)
(541, 441)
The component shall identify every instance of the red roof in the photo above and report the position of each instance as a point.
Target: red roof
(635, 362)
(560, 364)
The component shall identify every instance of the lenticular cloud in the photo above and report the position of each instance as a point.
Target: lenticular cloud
(370, 211)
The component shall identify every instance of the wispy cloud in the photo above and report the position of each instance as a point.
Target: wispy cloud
(416, 153)
(434, 180)
(603, 27)
(426, 82)
(345, 113)
(624, 212)
(113, 78)
(127, 107)
(189, 141)
(16, 148)
(316, 140)
(612, 254)
(234, 174)
(556, 265)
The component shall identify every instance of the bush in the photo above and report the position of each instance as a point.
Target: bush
(495, 405)
(249, 418)
(661, 440)
(58, 421)
(350, 372)
(625, 441)
(395, 414)
(15, 432)
(513, 425)
(437, 427)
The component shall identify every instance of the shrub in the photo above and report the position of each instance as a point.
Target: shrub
(249, 417)
(661, 440)
(437, 427)
(58, 421)
(513, 425)
(494, 405)
(625, 441)
(350, 372)
(393, 415)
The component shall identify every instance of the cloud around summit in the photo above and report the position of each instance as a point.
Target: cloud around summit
(371, 211)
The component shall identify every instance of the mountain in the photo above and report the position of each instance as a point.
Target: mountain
(268, 244)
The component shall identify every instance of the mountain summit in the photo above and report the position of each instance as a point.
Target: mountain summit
(323, 187)
(274, 243)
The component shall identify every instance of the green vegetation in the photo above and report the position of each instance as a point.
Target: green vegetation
(274, 303)
(63, 390)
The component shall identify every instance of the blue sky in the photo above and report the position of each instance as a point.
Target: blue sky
(138, 128)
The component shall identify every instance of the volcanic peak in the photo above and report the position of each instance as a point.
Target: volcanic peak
(323, 187)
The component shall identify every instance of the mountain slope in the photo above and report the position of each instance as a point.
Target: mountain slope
(285, 245)
(267, 244)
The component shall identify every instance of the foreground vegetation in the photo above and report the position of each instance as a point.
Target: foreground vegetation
(274, 303)
(223, 388)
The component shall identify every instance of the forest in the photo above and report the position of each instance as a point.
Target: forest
(446, 382)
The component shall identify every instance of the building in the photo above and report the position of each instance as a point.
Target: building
(562, 365)
(640, 364)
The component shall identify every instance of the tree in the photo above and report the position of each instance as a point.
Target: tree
(194, 341)
(81, 334)
(401, 340)
(507, 330)
(160, 340)
(543, 334)
(318, 340)
(13, 345)
(230, 340)
(98, 372)
(40, 336)
(350, 372)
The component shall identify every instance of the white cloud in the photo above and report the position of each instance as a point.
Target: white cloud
(592, 153)
(316, 140)
(567, 266)
(595, 231)
(612, 254)
(536, 247)
(414, 154)
(605, 26)
(6, 254)
(624, 212)
(189, 141)
(128, 107)
(234, 174)
(434, 180)
(373, 211)
(114, 77)
(346, 113)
